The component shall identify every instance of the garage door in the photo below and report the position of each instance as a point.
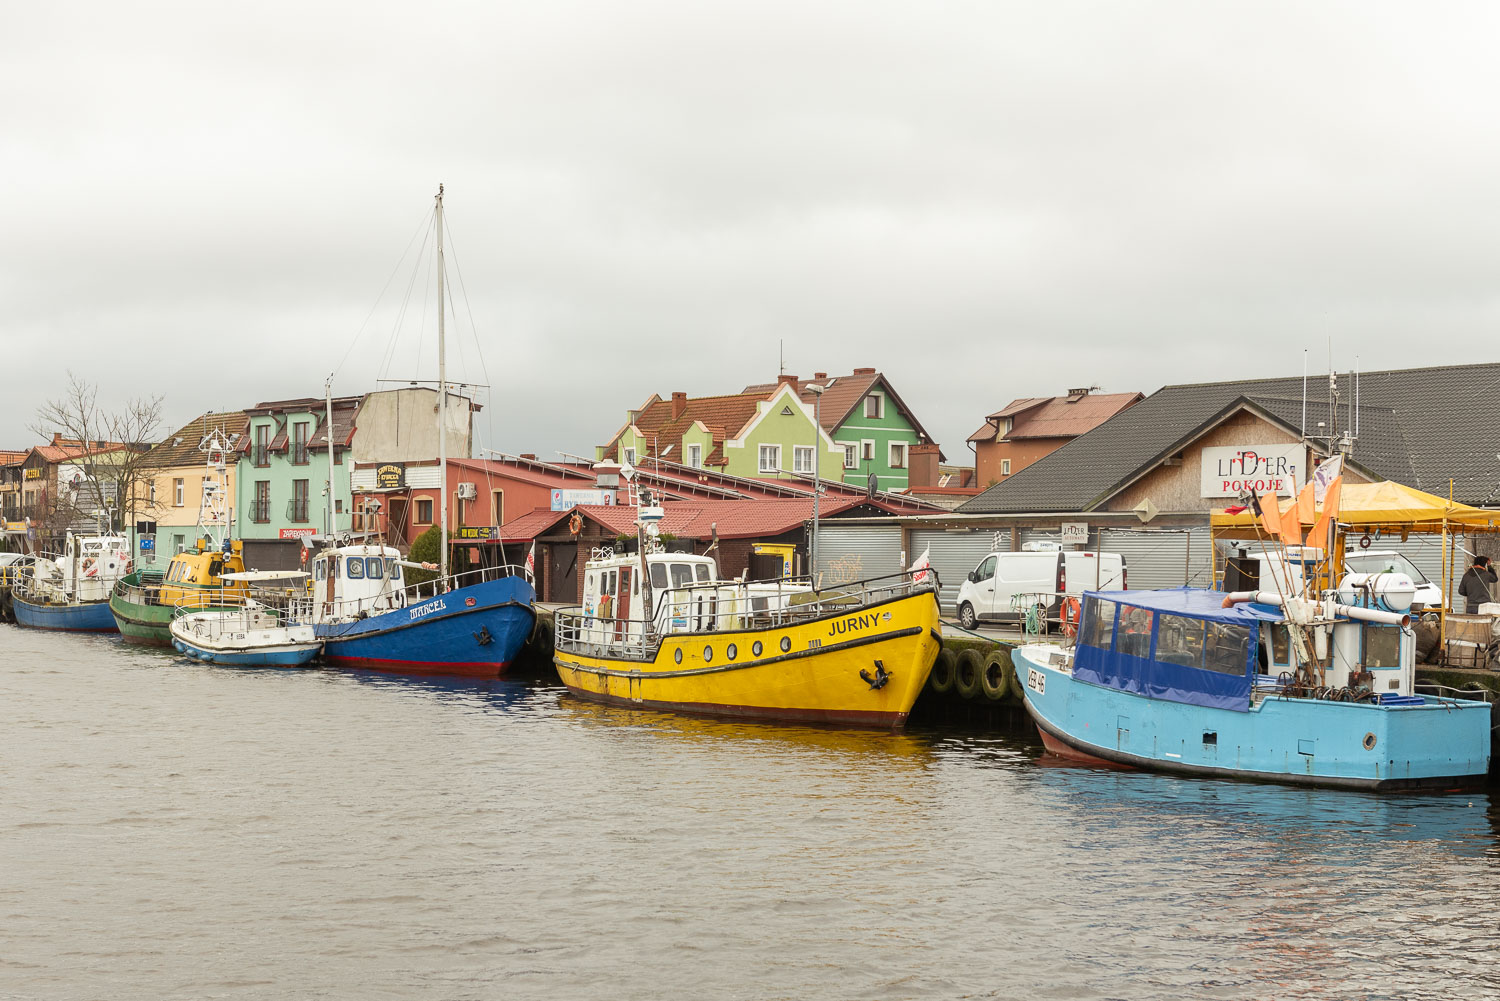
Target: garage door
(857, 552)
(954, 554)
(1162, 558)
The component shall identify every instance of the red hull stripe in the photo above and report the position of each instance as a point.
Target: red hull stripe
(846, 717)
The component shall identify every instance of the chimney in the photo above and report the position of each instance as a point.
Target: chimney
(864, 371)
(679, 405)
(786, 380)
(529, 455)
(820, 376)
(924, 467)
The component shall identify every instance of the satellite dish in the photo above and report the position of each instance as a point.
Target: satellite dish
(872, 486)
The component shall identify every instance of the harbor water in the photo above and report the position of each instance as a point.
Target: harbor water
(176, 830)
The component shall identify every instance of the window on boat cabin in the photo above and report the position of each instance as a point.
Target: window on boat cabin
(682, 574)
(1099, 623)
(320, 569)
(424, 511)
(374, 567)
(986, 570)
(1382, 645)
(702, 571)
(1134, 631)
(356, 568)
(659, 576)
(1179, 640)
(392, 568)
(770, 459)
(695, 456)
(1226, 648)
(178, 492)
(802, 459)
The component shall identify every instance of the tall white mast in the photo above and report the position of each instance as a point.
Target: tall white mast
(442, 402)
(330, 524)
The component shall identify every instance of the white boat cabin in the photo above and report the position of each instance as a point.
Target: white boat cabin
(352, 582)
(686, 592)
(86, 571)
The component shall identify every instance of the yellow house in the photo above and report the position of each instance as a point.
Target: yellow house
(171, 505)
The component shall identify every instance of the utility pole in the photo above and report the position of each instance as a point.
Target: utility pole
(817, 392)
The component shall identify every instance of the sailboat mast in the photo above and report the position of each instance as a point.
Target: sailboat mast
(442, 402)
(330, 524)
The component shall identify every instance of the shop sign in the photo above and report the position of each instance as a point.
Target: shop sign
(483, 533)
(1265, 469)
(298, 533)
(1075, 533)
(564, 500)
(15, 527)
(390, 476)
(34, 473)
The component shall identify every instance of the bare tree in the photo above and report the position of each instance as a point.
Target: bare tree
(111, 448)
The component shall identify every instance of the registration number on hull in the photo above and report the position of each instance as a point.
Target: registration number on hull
(1036, 681)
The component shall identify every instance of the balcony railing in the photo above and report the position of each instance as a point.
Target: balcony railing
(299, 453)
(260, 511)
(296, 509)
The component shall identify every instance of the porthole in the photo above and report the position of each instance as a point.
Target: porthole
(708, 655)
(756, 648)
(1369, 742)
(786, 644)
(731, 651)
(677, 655)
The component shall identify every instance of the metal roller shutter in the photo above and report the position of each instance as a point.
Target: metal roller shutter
(954, 554)
(857, 552)
(1162, 557)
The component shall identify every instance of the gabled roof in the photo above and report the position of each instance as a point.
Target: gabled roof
(181, 447)
(10, 457)
(1417, 426)
(724, 416)
(1054, 416)
(345, 412)
(843, 395)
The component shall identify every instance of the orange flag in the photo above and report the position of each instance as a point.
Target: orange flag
(1331, 497)
(1270, 514)
(1303, 512)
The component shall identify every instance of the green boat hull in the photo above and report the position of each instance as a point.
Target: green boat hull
(149, 625)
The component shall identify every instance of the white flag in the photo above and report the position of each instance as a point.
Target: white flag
(919, 569)
(531, 560)
(1330, 469)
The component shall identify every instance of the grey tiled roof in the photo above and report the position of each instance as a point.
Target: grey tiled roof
(1417, 426)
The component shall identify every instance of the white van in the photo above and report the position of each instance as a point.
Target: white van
(1005, 582)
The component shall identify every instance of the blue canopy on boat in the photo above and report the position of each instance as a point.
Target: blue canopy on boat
(1124, 654)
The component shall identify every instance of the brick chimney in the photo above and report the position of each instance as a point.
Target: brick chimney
(923, 471)
(864, 371)
(786, 380)
(679, 405)
(820, 376)
(529, 455)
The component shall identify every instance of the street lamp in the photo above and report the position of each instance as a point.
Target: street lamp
(817, 392)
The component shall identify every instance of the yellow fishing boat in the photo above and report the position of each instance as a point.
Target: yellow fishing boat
(858, 655)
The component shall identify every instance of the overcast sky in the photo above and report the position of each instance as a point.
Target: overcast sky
(985, 200)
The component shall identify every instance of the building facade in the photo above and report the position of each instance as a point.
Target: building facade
(1027, 430)
(181, 491)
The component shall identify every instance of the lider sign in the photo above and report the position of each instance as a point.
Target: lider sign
(1265, 469)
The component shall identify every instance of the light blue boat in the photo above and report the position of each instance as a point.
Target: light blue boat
(1203, 683)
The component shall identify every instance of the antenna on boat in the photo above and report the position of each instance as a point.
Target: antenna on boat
(330, 525)
(442, 402)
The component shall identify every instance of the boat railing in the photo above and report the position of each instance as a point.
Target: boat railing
(388, 599)
(230, 612)
(724, 606)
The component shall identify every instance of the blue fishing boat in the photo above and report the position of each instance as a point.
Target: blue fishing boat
(366, 617)
(1255, 685)
(71, 593)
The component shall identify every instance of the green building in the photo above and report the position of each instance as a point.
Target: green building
(281, 478)
(767, 431)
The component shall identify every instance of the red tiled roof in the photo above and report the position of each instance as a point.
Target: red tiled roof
(731, 519)
(10, 458)
(1055, 417)
(722, 415)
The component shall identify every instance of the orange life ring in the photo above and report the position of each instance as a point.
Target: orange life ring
(1072, 611)
(575, 523)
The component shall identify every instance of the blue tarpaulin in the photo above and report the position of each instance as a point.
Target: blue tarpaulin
(1158, 679)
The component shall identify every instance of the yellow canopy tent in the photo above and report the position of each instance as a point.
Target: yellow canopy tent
(1389, 507)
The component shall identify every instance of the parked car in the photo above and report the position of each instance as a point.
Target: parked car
(1004, 584)
(1429, 594)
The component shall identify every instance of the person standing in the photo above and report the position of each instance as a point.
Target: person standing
(1475, 587)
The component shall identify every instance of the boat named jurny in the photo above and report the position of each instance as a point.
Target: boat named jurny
(71, 593)
(660, 630)
(260, 619)
(1265, 685)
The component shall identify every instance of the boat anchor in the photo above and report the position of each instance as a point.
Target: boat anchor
(483, 636)
(879, 679)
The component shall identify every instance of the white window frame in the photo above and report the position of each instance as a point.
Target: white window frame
(867, 450)
(851, 454)
(695, 456)
(879, 399)
(179, 491)
(1004, 467)
(629, 456)
(890, 454)
(774, 452)
(800, 452)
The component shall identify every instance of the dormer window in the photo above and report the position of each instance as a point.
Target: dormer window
(695, 456)
(875, 406)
